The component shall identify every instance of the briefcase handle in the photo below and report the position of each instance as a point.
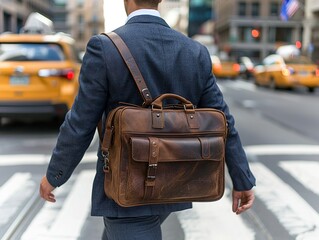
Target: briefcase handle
(158, 102)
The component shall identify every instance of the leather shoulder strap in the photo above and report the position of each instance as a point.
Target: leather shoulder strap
(132, 66)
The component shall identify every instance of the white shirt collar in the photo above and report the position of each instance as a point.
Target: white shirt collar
(151, 12)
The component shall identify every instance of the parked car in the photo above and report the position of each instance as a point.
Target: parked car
(38, 74)
(223, 68)
(279, 72)
(246, 67)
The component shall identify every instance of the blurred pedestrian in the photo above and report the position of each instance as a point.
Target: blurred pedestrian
(169, 62)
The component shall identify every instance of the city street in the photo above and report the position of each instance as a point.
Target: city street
(279, 130)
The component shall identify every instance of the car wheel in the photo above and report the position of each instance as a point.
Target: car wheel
(311, 89)
(272, 84)
(247, 75)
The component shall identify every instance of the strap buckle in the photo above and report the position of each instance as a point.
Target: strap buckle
(106, 167)
(151, 171)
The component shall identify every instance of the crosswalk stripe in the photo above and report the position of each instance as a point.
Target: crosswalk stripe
(13, 185)
(282, 150)
(79, 199)
(242, 85)
(38, 159)
(41, 159)
(18, 189)
(305, 172)
(66, 218)
(68, 222)
(292, 211)
(212, 220)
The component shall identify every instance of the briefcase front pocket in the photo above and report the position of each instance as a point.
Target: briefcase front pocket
(175, 169)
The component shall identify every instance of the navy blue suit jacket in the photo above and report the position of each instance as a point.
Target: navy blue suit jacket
(169, 62)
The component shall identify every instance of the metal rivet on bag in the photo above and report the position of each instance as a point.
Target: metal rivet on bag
(158, 115)
(192, 116)
(154, 143)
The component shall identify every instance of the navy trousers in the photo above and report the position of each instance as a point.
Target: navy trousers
(133, 228)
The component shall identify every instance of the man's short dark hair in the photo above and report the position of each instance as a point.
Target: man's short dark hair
(150, 3)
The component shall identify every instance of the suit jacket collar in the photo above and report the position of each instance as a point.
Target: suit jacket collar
(147, 19)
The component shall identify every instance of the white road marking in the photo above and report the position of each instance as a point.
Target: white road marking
(292, 211)
(249, 103)
(37, 159)
(41, 159)
(13, 185)
(282, 149)
(66, 223)
(305, 172)
(15, 192)
(204, 220)
(212, 221)
(239, 84)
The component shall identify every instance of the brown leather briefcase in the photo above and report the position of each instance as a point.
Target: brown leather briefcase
(162, 154)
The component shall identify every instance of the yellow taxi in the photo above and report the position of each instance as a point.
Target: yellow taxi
(223, 68)
(38, 74)
(277, 71)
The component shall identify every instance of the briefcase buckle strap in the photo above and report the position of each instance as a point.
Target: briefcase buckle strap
(151, 172)
(152, 167)
(147, 97)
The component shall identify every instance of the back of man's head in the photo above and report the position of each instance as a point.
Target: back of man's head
(147, 3)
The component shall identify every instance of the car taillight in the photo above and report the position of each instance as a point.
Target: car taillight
(65, 73)
(317, 72)
(236, 67)
(68, 74)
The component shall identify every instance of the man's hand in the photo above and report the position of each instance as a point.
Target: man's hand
(46, 190)
(242, 201)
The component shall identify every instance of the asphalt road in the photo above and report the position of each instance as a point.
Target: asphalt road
(279, 130)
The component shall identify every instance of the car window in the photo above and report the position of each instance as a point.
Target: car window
(31, 52)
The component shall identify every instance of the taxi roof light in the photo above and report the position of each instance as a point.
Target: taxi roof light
(38, 24)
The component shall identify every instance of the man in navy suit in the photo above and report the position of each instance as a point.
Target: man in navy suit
(169, 62)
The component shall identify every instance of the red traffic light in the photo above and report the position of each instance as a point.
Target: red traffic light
(298, 44)
(255, 33)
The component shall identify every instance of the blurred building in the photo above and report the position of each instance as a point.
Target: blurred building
(85, 19)
(175, 13)
(60, 16)
(253, 28)
(79, 18)
(201, 15)
(13, 13)
(191, 17)
(310, 43)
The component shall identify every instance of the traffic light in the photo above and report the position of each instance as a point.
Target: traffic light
(255, 33)
(298, 44)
